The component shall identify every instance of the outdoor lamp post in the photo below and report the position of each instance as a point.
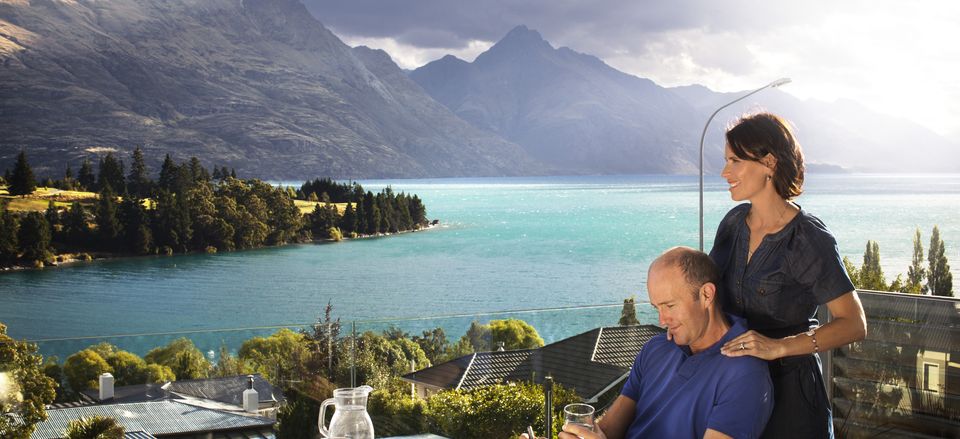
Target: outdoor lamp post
(776, 83)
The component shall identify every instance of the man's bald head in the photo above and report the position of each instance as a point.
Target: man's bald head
(696, 266)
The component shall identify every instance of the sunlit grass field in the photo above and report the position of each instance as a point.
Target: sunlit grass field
(39, 200)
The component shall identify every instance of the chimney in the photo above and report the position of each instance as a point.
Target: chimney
(106, 386)
(251, 400)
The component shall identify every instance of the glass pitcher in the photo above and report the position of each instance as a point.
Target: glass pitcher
(350, 417)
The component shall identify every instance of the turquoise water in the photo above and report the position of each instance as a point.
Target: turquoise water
(504, 244)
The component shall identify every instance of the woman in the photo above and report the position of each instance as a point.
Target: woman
(777, 264)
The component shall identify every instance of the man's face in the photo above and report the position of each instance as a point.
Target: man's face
(685, 318)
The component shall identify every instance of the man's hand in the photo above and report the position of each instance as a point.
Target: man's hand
(571, 431)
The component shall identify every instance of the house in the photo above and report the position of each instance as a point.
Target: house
(214, 408)
(592, 364)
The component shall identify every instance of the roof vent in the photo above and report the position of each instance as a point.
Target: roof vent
(106, 386)
(251, 399)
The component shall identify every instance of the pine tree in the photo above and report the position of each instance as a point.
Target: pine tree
(871, 274)
(75, 226)
(34, 237)
(85, 177)
(348, 222)
(111, 173)
(108, 224)
(135, 225)
(22, 181)
(9, 229)
(939, 278)
(915, 272)
(69, 183)
(138, 182)
(628, 315)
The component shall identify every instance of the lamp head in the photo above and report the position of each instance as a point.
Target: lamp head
(780, 82)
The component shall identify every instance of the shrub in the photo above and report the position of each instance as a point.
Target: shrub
(94, 427)
(502, 410)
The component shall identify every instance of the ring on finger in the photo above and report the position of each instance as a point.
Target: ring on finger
(742, 346)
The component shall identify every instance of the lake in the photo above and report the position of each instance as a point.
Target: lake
(503, 244)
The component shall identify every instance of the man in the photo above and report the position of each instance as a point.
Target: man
(680, 385)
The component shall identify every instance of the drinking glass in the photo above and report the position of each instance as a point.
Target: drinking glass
(579, 414)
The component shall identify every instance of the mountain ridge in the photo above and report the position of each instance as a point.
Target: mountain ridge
(258, 85)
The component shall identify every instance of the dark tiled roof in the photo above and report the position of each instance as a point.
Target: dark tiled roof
(619, 345)
(155, 417)
(138, 435)
(445, 375)
(497, 367)
(589, 362)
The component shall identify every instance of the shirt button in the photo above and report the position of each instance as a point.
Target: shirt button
(762, 291)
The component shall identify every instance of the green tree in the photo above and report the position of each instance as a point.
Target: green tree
(108, 222)
(434, 344)
(83, 370)
(128, 368)
(53, 370)
(76, 229)
(939, 278)
(229, 365)
(297, 417)
(24, 389)
(852, 271)
(138, 181)
(9, 229)
(278, 358)
(198, 173)
(94, 427)
(34, 237)
(182, 357)
(514, 334)
(628, 315)
(916, 273)
(22, 181)
(111, 174)
(85, 178)
(135, 224)
(172, 226)
(348, 222)
(380, 360)
(156, 373)
(871, 274)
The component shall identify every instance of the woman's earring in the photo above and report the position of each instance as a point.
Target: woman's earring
(769, 177)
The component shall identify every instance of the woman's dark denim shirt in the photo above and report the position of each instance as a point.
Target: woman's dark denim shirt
(790, 274)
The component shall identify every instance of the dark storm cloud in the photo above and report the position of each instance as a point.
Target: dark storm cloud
(452, 24)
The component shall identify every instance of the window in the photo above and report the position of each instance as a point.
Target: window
(931, 377)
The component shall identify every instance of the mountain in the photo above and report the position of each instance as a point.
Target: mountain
(567, 109)
(580, 115)
(257, 85)
(834, 135)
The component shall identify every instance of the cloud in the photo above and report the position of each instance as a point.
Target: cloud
(889, 55)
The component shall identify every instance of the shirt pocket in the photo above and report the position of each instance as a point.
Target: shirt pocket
(770, 300)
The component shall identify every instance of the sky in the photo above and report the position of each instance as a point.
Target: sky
(895, 57)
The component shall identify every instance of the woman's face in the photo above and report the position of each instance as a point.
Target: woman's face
(746, 178)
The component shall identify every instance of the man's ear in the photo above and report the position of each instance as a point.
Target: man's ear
(708, 293)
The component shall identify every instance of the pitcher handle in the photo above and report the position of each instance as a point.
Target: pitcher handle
(323, 409)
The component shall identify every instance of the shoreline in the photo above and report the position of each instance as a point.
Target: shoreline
(67, 260)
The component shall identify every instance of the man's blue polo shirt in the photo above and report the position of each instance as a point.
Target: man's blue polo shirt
(680, 395)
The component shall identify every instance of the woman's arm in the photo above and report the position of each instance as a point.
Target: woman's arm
(849, 324)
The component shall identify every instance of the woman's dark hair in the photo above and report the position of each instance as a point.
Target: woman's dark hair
(754, 136)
